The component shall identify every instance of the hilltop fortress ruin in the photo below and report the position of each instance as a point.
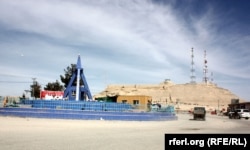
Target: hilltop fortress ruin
(183, 96)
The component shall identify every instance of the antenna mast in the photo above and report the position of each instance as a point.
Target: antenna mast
(205, 70)
(192, 77)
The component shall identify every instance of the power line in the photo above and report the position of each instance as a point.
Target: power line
(15, 82)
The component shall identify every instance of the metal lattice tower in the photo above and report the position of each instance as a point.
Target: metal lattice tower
(192, 77)
(205, 70)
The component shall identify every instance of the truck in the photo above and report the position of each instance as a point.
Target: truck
(199, 113)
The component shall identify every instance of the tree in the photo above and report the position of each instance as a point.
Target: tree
(54, 86)
(68, 73)
(35, 89)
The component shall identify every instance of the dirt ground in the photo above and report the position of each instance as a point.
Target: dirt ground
(57, 134)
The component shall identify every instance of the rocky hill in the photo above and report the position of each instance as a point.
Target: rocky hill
(183, 96)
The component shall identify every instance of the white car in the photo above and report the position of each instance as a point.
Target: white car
(243, 113)
(239, 113)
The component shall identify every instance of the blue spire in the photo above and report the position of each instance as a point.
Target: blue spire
(84, 91)
(78, 65)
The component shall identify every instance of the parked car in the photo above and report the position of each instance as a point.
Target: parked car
(239, 113)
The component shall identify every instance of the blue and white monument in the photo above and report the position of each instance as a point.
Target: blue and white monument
(81, 91)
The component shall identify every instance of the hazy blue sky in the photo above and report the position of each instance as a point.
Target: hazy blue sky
(124, 42)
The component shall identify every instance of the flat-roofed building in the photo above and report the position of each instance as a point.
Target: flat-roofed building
(137, 101)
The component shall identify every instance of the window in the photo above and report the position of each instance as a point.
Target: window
(124, 101)
(135, 102)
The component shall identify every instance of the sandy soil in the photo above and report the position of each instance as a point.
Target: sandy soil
(57, 134)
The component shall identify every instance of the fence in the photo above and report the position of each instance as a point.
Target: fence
(86, 110)
(86, 115)
(78, 105)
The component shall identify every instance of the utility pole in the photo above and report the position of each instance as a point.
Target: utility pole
(33, 89)
(218, 105)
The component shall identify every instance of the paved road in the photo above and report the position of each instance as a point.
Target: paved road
(212, 124)
(58, 134)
